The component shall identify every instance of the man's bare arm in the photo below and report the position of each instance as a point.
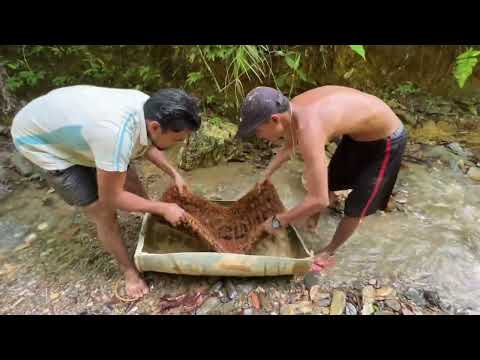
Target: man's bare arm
(312, 146)
(282, 156)
(112, 194)
(158, 158)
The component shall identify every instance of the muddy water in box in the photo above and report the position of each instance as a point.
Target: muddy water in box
(163, 239)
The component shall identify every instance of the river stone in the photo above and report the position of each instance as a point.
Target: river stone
(212, 144)
(432, 298)
(226, 308)
(384, 292)
(231, 290)
(368, 297)
(338, 303)
(304, 307)
(416, 296)
(245, 287)
(23, 166)
(406, 117)
(456, 148)
(474, 173)
(441, 153)
(393, 304)
(384, 312)
(350, 309)
(310, 279)
(209, 306)
(317, 294)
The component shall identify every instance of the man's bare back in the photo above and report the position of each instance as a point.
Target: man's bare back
(344, 111)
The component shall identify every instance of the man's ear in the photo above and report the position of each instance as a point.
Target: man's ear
(153, 126)
(275, 118)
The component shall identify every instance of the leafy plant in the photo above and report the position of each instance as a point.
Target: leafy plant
(359, 49)
(465, 64)
(194, 77)
(406, 88)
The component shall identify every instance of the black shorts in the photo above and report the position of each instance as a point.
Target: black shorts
(77, 185)
(370, 169)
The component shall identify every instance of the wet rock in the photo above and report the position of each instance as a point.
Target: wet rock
(393, 304)
(304, 307)
(245, 287)
(209, 306)
(31, 238)
(248, 311)
(254, 300)
(209, 146)
(384, 312)
(216, 287)
(406, 117)
(474, 173)
(384, 292)
(231, 290)
(350, 309)
(368, 297)
(42, 226)
(456, 148)
(415, 296)
(338, 303)
(441, 153)
(432, 298)
(226, 309)
(317, 294)
(310, 279)
(21, 164)
(265, 301)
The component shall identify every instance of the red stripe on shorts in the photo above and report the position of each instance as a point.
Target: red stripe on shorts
(380, 177)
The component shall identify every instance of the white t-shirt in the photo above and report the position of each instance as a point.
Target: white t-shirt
(83, 125)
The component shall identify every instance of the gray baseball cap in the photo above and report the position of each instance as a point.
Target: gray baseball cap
(258, 107)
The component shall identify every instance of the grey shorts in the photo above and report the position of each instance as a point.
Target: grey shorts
(77, 185)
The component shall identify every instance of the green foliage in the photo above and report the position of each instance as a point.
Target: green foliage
(359, 49)
(24, 75)
(465, 64)
(194, 77)
(406, 88)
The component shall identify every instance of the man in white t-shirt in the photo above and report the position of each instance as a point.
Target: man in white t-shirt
(86, 136)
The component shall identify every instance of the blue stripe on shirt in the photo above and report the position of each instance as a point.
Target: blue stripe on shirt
(120, 142)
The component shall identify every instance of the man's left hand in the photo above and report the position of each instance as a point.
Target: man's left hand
(266, 227)
(180, 184)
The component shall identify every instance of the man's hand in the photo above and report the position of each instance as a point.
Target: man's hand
(263, 179)
(323, 261)
(266, 228)
(173, 213)
(180, 184)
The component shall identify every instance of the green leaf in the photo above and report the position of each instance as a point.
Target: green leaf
(465, 64)
(293, 60)
(193, 77)
(359, 50)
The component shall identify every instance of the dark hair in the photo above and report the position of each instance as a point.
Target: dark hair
(174, 110)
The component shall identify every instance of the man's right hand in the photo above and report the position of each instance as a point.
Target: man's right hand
(173, 213)
(263, 179)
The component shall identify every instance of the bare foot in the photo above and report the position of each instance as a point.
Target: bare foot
(322, 262)
(135, 286)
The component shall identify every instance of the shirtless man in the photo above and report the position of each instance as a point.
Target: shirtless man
(85, 137)
(367, 159)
